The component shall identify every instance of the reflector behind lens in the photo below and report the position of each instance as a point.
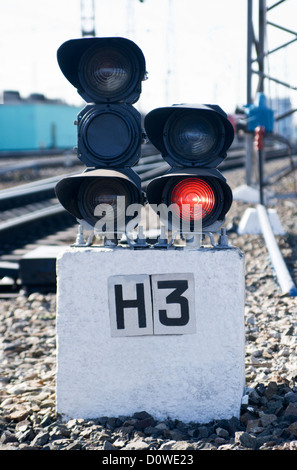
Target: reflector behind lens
(193, 138)
(104, 191)
(193, 196)
(108, 136)
(106, 72)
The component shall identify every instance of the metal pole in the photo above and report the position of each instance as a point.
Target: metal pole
(260, 157)
(261, 44)
(259, 143)
(249, 143)
(284, 278)
(249, 50)
(249, 138)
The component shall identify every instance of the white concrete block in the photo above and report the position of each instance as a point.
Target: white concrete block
(185, 361)
(250, 224)
(247, 193)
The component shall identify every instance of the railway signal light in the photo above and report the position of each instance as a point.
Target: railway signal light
(193, 139)
(99, 198)
(107, 73)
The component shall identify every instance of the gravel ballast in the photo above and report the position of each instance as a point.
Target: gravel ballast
(268, 419)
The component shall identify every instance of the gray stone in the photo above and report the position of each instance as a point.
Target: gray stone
(201, 445)
(108, 446)
(183, 445)
(73, 446)
(41, 439)
(202, 432)
(23, 436)
(137, 444)
(7, 437)
(291, 410)
(245, 439)
(167, 445)
(267, 419)
(142, 415)
(221, 432)
(293, 428)
(291, 397)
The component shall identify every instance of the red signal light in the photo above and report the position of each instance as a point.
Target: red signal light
(191, 196)
(194, 197)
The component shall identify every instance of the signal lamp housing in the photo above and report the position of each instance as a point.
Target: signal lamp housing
(108, 74)
(109, 135)
(195, 136)
(103, 70)
(192, 194)
(81, 194)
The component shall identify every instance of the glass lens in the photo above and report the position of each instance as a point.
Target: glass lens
(103, 191)
(193, 136)
(194, 197)
(106, 72)
(107, 136)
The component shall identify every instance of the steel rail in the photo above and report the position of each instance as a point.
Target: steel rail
(33, 216)
(149, 167)
(36, 164)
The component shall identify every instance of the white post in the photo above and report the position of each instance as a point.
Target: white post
(284, 278)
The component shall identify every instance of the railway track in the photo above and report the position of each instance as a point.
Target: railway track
(31, 216)
(23, 206)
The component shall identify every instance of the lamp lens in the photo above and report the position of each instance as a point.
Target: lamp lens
(104, 191)
(108, 136)
(106, 71)
(193, 137)
(194, 198)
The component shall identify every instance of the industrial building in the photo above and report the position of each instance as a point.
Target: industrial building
(36, 123)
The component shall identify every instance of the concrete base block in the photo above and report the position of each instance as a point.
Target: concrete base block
(250, 224)
(246, 193)
(154, 330)
(249, 194)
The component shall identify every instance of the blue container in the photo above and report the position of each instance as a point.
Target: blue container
(34, 126)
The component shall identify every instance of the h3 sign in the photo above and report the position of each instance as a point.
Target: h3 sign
(157, 304)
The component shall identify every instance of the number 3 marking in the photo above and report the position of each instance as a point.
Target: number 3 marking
(175, 297)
